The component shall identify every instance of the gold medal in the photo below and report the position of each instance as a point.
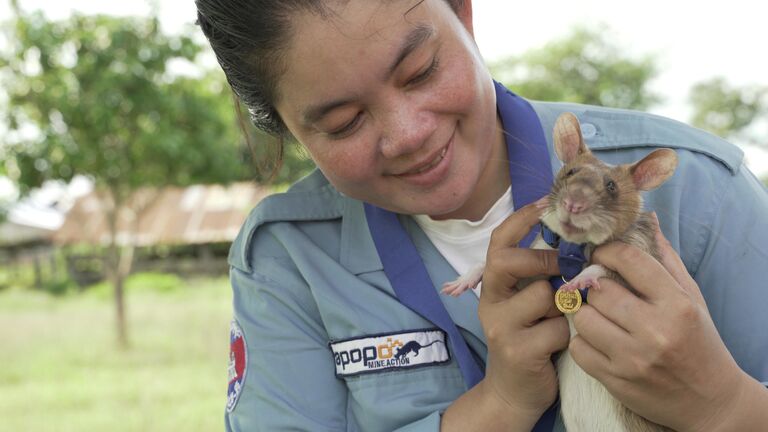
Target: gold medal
(568, 301)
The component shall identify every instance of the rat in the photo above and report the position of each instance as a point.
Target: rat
(412, 347)
(592, 203)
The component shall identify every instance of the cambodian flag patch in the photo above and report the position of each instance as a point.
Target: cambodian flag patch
(238, 360)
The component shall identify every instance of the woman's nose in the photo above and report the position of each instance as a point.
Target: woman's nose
(406, 129)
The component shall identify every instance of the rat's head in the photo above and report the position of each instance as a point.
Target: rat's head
(592, 201)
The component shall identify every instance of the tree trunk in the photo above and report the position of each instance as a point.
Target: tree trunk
(38, 271)
(54, 265)
(118, 284)
(116, 277)
(121, 256)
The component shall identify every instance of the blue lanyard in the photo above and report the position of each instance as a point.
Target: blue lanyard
(531, 178)
(570, 258)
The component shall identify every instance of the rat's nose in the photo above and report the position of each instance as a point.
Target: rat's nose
(576, 201)
(574, 206)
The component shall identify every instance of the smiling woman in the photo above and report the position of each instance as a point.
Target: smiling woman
(338, 322)
(412, 131)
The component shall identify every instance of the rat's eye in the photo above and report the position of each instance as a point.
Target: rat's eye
(610, 186)
(570, 172)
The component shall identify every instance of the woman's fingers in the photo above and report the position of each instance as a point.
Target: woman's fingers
(673, 263)
(515, 227)
(549, 336)
(594, 362)
(617, 303)
(505, 267)
(524, 263)
(601, 332)
(532, 303)
(635, 266)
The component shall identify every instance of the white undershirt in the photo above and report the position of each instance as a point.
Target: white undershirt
(464, 243)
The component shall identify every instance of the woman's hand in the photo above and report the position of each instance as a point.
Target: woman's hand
(523, 329)
(660, 354)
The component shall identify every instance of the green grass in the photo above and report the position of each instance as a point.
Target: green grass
(61, 370)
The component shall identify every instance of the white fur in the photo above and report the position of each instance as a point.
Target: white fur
(552, 219)
(585, 405)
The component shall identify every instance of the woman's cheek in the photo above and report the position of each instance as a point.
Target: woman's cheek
(347, 163)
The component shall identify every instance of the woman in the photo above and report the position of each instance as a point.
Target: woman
(336, 324)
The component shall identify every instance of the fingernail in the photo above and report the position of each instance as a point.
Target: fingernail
(542, 202)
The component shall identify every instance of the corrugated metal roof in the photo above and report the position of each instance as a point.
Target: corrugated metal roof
(171, 215)
(14, 234)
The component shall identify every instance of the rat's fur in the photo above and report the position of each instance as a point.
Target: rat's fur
(593, 203)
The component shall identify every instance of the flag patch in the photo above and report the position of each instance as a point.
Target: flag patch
(238, 362)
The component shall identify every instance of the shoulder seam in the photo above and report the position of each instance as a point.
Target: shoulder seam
(658, 131)
(285, 207)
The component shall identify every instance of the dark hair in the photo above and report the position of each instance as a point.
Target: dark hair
(249, 38)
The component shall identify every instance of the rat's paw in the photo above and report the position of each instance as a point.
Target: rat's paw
(587, 278)
(455, 288)
(464, 282)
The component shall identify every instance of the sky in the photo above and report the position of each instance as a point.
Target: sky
(692, 41)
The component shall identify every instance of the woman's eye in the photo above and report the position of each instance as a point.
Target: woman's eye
(347, 129)
(426, 74)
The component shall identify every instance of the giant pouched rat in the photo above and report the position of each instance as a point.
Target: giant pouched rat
(591, 203)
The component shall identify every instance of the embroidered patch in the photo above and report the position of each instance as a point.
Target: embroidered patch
(238, 362)
(377, 353)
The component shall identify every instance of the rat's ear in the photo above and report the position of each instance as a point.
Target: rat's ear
(654, 169)
(567, 136)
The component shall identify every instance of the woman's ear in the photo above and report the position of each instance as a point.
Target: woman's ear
(465, 16)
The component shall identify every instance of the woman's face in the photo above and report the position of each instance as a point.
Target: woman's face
(394, 104)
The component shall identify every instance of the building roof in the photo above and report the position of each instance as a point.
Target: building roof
(171, 215)
(15, 234)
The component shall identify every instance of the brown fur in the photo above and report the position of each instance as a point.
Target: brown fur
(611, 200)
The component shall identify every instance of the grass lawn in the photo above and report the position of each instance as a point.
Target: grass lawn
(60, 369)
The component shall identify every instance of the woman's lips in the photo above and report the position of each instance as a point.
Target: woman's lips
(432, 171)
(429, 165)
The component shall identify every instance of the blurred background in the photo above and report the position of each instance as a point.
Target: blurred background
(125, 175)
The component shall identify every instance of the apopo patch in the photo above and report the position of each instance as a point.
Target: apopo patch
(376, 353)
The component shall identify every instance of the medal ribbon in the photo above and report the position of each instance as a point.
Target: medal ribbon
(531, 178)
(570, 258)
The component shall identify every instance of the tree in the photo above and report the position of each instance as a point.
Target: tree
(94, 95)
(729, 111)
(582, 67)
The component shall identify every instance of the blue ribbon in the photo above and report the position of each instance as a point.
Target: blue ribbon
(570, 258)
(413, 286)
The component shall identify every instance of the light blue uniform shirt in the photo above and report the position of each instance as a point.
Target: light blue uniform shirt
(305, 273)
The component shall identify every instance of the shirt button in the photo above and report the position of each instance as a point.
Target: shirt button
(588, 130)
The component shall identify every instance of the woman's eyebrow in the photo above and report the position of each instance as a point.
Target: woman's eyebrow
(413, 40)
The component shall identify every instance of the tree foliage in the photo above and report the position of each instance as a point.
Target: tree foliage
(582, 67)
(728, 111)
(94, 95)
(98, 96)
